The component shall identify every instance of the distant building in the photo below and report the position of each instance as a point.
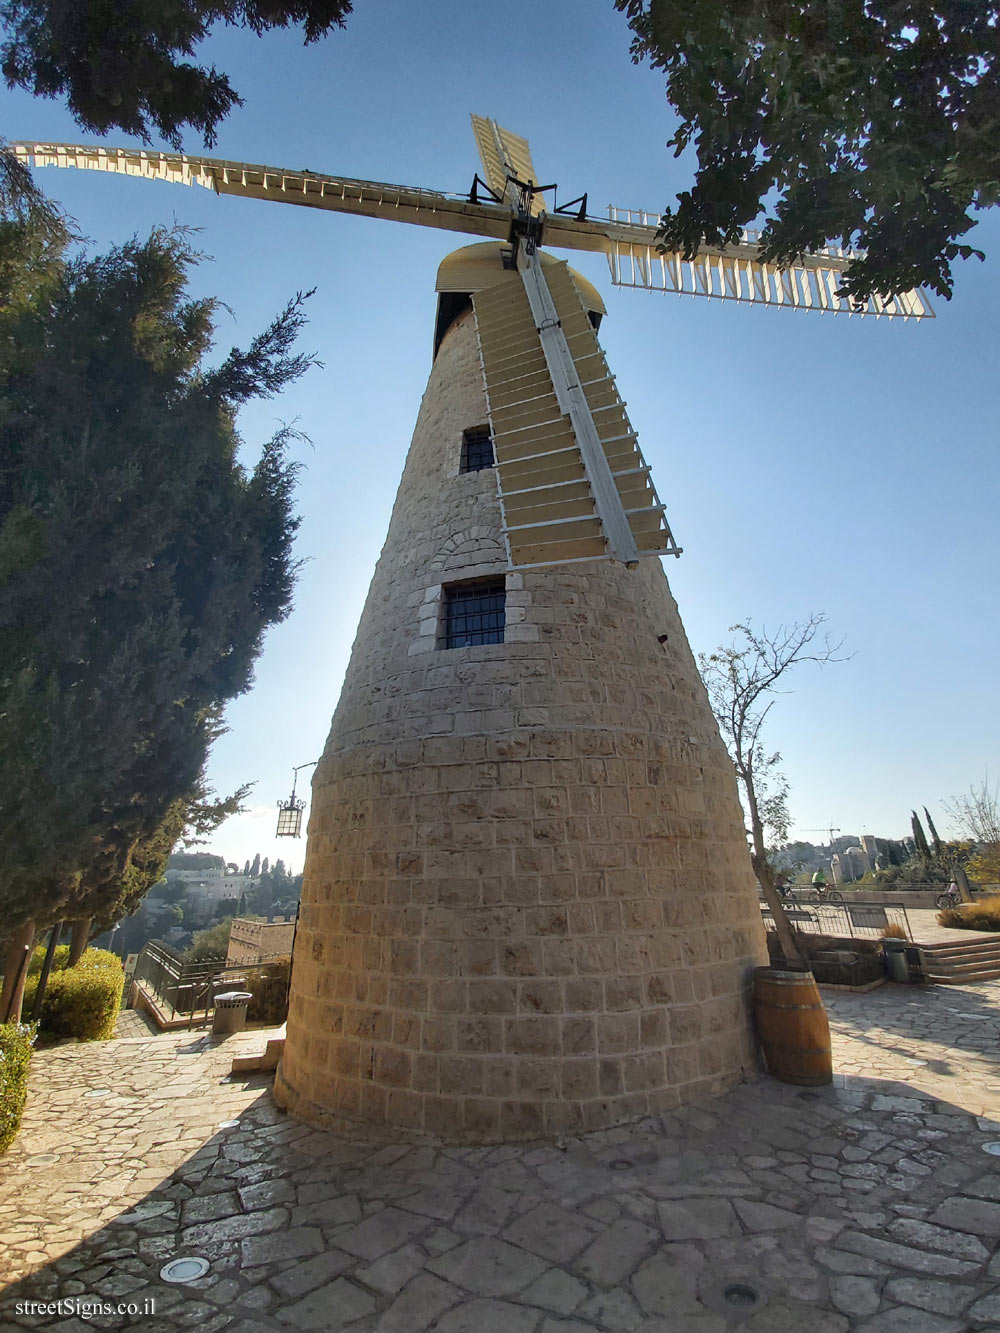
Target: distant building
(252, 941)
(196, 876)
(222, 886)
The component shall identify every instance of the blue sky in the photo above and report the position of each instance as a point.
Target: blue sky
(808, 463)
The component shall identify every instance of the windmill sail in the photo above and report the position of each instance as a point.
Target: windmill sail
(551, 496)
(503, 155)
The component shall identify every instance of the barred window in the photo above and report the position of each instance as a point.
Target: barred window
(477, 449)
(473, 613)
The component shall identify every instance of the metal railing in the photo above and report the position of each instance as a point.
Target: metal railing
(188, 987)
(857, 920)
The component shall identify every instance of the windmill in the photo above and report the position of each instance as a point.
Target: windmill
(572, 482)
(527, 904)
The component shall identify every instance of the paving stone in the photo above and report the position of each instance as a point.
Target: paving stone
(294, 1244)
(855, 1296)
(612, 1309)
(484, 1317)
(555, 1233)
(552, 1325)
(906, 1319)
(976, 1215)
(233, 1228)
(265, 1194)
(616, 1253)
(986, 1187)
(555, 1290)
(291, 1283)
(379, 1234)
(666, 1284)
(764, 1216)
(488, 1267)
(392, 1272)
(327, 1212)
(330, 1307)
(927, 1294)
(986, 1310)
(418, 1305)
(958, 1243)
(903, 1256)
(210, 1208)
(698, 1219)
(793, 1317)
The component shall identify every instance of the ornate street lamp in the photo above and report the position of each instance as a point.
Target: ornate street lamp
(290, 811)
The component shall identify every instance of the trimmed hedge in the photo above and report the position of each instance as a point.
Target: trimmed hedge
(81, 1001)
(15, 1057)
(268, 985)
(981, 915)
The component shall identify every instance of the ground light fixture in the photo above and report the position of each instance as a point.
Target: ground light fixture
(186, 1269)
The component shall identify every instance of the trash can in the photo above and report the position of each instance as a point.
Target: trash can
(896, 965)
(230, 1012)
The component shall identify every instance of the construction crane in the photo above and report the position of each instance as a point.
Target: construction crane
(829, 829)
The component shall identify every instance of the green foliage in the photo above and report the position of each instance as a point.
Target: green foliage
(81, 1001)
(140, 566)
(925, 872)
(15, 1057)
(984, 867)
(210, 944)
(122, 65)
(983, 915)
(195, 861)
(875, 126)
(60, 958)
(919, 837)
(269, 988)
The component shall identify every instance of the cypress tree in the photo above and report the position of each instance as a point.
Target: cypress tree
(140, 563)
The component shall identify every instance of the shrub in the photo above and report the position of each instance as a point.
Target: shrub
(894, 932)
(15, 1056)
(983, 915)
(59, 959)
(81, 1001)
(269, 987)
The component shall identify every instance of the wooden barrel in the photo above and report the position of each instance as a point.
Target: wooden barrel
(792, 1025)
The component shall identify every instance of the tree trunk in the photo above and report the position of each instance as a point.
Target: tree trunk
(43, 979)
(78, 940)
(15, 971)
(765, 878)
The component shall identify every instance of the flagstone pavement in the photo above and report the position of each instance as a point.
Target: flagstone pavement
(867, 1206)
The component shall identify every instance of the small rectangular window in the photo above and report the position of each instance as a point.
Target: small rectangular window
(473, 613)
(477, 449)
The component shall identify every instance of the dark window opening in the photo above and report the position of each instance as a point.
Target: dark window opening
(473, 613)
(477, 449)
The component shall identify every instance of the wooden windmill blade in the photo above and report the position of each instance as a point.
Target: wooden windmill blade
(506, 159)
(311, 189)
(573, 484)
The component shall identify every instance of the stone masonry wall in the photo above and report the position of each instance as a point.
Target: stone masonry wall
(527, 904)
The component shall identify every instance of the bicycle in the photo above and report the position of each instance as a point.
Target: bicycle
(821, 894)
(950, 898)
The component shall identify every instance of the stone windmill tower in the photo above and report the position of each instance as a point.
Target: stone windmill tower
(528, 906)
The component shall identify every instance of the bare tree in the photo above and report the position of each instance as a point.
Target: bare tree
(741, 678)
(978, 813)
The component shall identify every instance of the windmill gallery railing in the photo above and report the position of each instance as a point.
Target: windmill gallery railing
(187, 988)
(854, 920)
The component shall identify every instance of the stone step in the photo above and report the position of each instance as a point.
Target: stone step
(960, 977)
(965, 946)
(950, 963)
(263, 1062)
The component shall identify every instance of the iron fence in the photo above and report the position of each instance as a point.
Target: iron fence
(856, 920)
(189, 987)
